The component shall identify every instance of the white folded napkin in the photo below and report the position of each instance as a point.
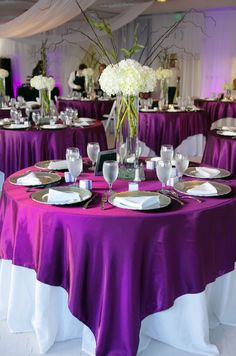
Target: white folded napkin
(142, 202)
(206, 172)
(58, 164)
(56, 196)
(30, 178)
(203, 189)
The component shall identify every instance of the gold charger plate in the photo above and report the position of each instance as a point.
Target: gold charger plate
(45, 164)
(41, 196)
(53, 127)
(164, 200)
(226, 133)
(182, 187)
(45, 178)
(191, 172)
(15, 127)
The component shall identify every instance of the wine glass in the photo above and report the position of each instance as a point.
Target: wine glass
(13, 114)
(74, 161)
(167, 152)
(163, 171)
(93, 149)
(181, 162)
(36, 119)
(110, 172)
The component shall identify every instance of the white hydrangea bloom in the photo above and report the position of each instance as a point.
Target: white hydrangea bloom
(3, 73)
(163, 73)
(128, 77)
(39, 82)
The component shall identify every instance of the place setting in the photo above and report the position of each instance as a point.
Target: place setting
(35, 179)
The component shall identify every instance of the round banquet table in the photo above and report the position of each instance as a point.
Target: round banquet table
(217, 109)
(119, 266)
(5, 112)
(220, 151)
(22, 148)
(173, 128)
(87, 108)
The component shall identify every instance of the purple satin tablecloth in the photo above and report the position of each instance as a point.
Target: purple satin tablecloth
(118, 265)
(217, 109)
(22, 148)
(160, 128)
(5, 113)
(220, 151)
(87, 108)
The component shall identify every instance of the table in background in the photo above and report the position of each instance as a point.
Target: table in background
(217, 109)
(119, 266)
(22, 148)
(6, 112)
(173, 128)
(30, 94)
(87, 108)
(220, 151)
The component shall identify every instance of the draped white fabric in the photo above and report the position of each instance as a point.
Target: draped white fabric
(29, 305)
(43, 16)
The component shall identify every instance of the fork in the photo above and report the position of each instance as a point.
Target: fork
(85, 206)
(186, 197)
(172, 196)
(103, 200)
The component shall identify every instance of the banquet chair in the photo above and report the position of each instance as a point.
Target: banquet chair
(2, 178)
(226, 121)
(111, 119)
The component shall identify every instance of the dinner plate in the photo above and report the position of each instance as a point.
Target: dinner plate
(86, 119)
(164, 200)
(41, 196)
(226, 133)
(45, 164)
(45, 178)
(191, 172)
(227, 128)
(182, 187)
(53, 127)
(149, 110)
(15, 127)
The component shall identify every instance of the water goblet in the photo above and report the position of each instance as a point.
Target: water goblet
(110, 172)
(74, 162)
(163, 171)
(13, 114)
(36, 119)
(93, 149)
(167, 152)
(181, 162)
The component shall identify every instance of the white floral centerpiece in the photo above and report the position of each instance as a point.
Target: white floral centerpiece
(127, 78)
(228, 86)
(89, 84)
(45, 86)
(163, 74)
(3, 74)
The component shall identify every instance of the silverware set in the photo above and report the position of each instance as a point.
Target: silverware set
(175, 196)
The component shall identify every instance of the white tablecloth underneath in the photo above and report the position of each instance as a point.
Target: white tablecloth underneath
(29, 305)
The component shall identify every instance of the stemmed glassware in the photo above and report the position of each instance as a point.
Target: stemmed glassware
(110, 172)
(36, 119)
(163, 171)
(75, 162)
(93, 149)
(181, 162)
(167, 152)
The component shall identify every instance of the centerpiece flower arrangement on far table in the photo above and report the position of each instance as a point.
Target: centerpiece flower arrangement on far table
(163, 74)
(89, 84)
(44, 85)
(228, 87)
(3, 74)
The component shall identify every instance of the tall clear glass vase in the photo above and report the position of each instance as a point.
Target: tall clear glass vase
(163, 100)
(44, 102)
(127, 121)
(2, 91)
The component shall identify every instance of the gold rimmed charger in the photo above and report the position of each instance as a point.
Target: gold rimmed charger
(45, 165)
(184, 186)
(44, 177)
(192, 172)
(41, 196)
(164, 201)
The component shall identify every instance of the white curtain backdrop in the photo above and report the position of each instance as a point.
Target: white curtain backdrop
(43, 16)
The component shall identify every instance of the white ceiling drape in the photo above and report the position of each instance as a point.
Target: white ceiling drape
(43, 16)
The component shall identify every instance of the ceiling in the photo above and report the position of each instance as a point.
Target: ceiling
(9, 9)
